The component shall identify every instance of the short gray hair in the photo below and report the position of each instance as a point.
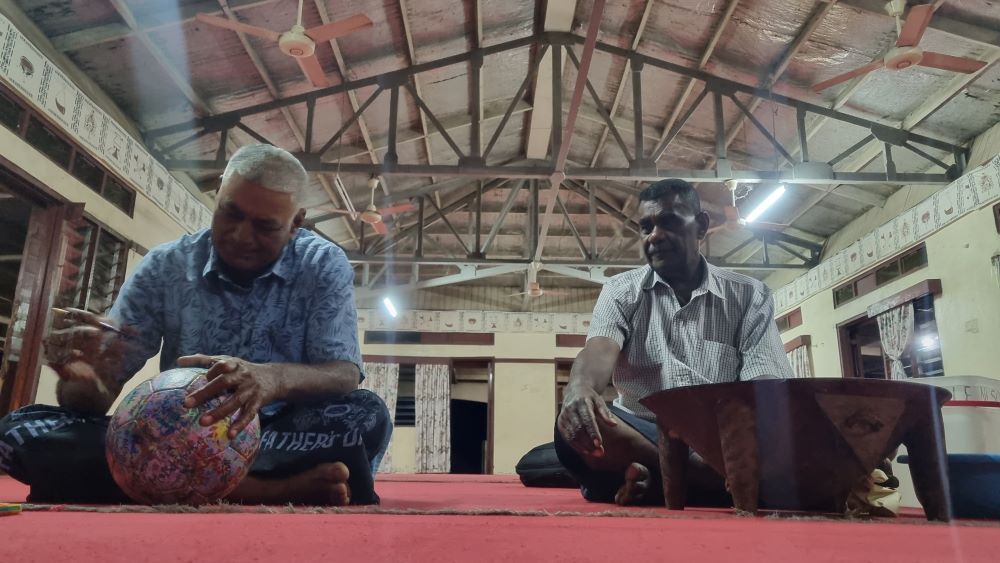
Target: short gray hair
(269, 166)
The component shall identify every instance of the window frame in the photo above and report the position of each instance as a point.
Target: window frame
(868, 281)
(789, 320)
(29, 113)
(99, 230)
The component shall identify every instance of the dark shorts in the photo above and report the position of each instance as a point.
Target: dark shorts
(705, 486)
(60, 454)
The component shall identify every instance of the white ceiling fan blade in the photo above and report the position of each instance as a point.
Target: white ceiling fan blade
(915, 25)
(234, 25)
(848, 75)
(394, 209)
(314, 72)
(948, 62)
(340, 28)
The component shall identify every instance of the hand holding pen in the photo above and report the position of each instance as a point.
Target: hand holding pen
(84, 346)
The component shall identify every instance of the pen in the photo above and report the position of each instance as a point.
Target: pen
(100, 324)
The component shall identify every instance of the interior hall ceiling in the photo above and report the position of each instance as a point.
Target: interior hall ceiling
(199, 92)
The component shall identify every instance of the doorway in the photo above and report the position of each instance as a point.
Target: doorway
(468, 436)
(868, 360)
(470, 416)
(15, 216)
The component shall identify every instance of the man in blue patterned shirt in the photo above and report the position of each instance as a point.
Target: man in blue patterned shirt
(268, 308)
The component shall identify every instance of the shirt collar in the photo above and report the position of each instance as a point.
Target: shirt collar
(709, 282)
(282, 267)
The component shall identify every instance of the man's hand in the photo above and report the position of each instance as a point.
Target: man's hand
(252, 386)
(578, 419)
(85, 347)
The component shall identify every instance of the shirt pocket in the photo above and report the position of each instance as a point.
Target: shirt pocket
(646, 354)
(720, 363)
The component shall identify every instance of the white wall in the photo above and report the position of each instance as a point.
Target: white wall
(968, 323)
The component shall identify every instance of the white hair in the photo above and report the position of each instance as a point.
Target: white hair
(269, 166)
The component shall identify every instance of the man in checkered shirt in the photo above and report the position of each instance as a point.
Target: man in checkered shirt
(678, 321)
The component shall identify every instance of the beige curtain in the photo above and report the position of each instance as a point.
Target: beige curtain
(383, 380)
(801, 363)
(895, 327)
(432, 391)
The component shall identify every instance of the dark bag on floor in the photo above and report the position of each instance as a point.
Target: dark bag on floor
(540, 467)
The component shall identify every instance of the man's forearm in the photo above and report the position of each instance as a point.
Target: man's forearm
(593, 368)
(302, 382)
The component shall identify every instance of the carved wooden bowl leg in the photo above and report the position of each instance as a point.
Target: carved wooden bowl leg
(928, 467)
(673, 466)
(738, 438)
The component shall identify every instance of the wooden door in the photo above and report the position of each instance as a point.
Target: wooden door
(37, 285)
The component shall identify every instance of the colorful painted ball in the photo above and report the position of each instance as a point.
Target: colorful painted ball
(160, 454)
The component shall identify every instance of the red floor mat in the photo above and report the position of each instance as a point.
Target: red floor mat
(372, 538)
(697, 535)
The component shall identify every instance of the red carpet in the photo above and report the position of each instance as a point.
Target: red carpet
(38, 536)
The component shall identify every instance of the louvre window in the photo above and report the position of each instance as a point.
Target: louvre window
(93, 267)
(406, 401)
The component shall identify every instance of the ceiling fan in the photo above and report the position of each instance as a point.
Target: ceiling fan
(372, 215)
(298, 42)
(532, 287)
(734, 221)
(906, 53)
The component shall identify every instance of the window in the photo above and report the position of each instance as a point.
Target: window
(10, 113)
(913, 261)
(789, 320)
(64, 153)
(900, 266)
(93, 267)
(926, 350)
(843, 294)
(430, 338)
(406, 404)
(864, 356)
(121, 197)
(48, 142)
(391, 337)
(87, 172)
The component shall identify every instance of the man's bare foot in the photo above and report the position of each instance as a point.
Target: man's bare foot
(639, 487)
(325, 484)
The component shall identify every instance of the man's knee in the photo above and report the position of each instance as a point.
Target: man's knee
(8, 438)
(368, 401)
(49, 447)
(21, 429)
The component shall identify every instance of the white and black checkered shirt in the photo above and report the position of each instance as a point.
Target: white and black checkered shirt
(725, 333)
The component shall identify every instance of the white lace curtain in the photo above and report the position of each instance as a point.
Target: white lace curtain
(383, 380)
(895, 327)
(801, 363)
(432, 391)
